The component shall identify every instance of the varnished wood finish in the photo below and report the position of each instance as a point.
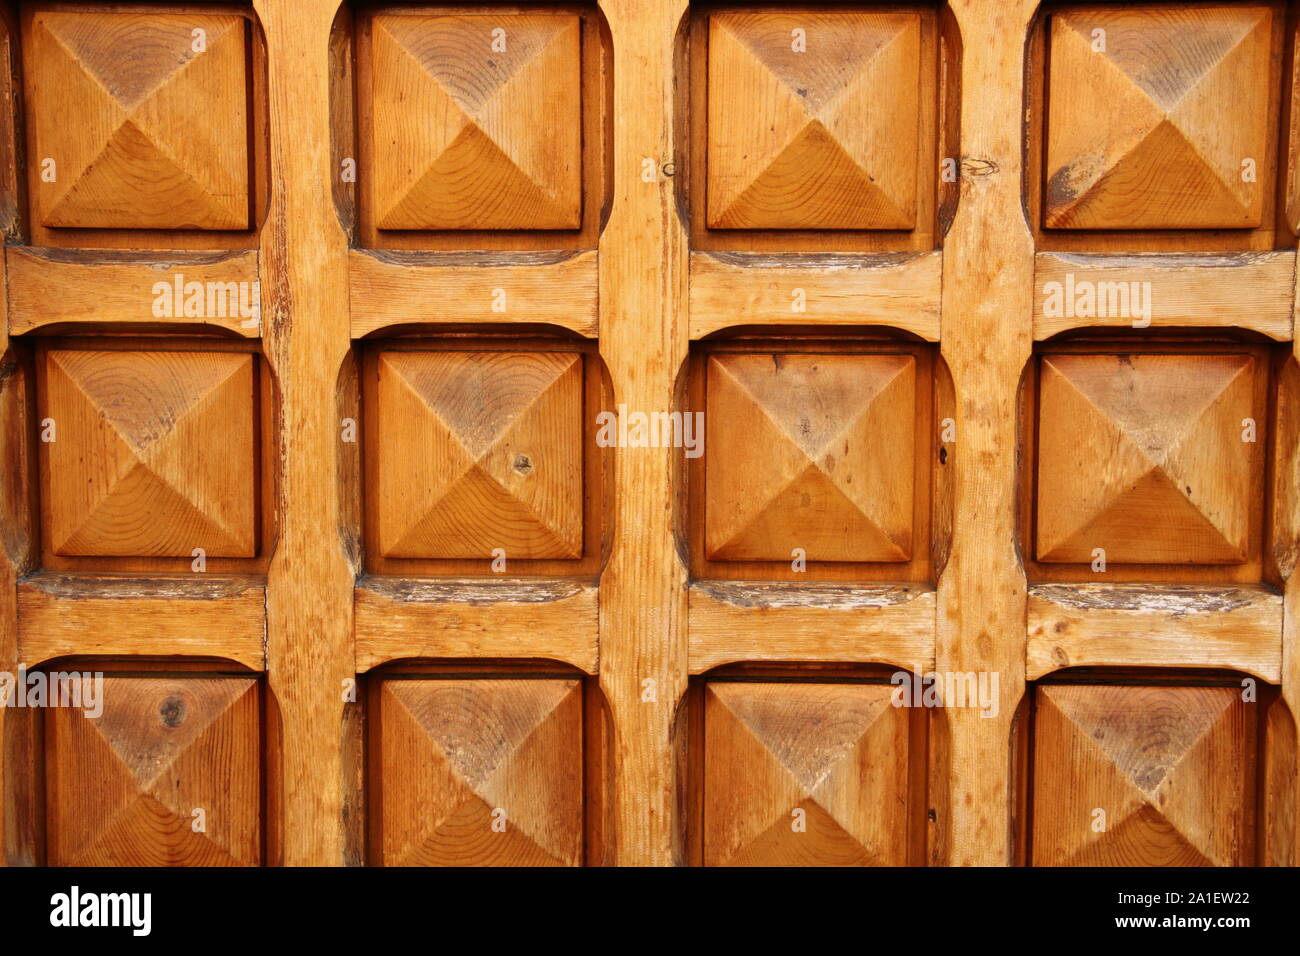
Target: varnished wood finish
(168, 775)
(804, 775)
(1171, 770)
(478, 773)
(629, 690)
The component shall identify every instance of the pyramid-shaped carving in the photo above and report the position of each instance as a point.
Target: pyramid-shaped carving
(836, 752)
(157, 139)
(468, 135)
(1166, 766)
(1152, 131)
(1141, 455)
(804, 139)
(124, 786)
(461, 755)
(154, 453)
(810, 451)
(480, 450)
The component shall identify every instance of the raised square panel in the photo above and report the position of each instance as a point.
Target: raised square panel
(480, 772)
(1141, 776)
(479, 451)
(810, 451)
(153, 453)
(143, 130)
(804, 775)
(1142, 456)
(799, 133)
(477, 121)
(168, 775)
(1154, 112)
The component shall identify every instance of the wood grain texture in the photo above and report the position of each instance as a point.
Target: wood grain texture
(202, 616)
(124, 788)
(817, 148)
(50, 289)
(392, 289)
(1184, 110)
(900, 291)
(1093, 625)
(474, 129)
(311, 575)
(153, 453)
(479, 452)
(811, 451)
(489, 619)
(158, 139)
(987, 280)
(1171, 769)
(644, 338)
(804, 775)
(480, 773)
(1142, 456)
(1244, 290)
(732, 622)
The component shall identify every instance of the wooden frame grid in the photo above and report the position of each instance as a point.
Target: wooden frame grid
(310, 620)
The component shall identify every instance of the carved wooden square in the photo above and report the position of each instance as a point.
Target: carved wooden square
(1141, 776)
(480, 772)
(168, 775)
(1143, 457)
(815, 145)
(1158, 116)
(140, 119)
(477, 121)
(151, 453)
(810, 451)
(804, 775)
(479, 451)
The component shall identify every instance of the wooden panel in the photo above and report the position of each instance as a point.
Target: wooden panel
(836, 752)
(127, 788)
(479, 451)
(1246, 290)
(1183, 88)
(479, 773)
(1169, 768)
(533, 618)
(158, 139)
(49, 287)
(496, 146)
(1142, 456)
(732, 622)
(1093, 625)
(153, 453)
(200, 616)
(795, 458)
(816, 147)
(393, 288)
(733, 289)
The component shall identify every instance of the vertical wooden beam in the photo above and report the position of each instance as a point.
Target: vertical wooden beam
(306, 331)
(986, 339)
(644, 340)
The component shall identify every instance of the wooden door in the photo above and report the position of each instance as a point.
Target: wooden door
(646, 432)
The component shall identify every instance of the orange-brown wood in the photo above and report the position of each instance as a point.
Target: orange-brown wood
(168, 775)
(804, 775)
(478, 773)
(810, 452)
(480, 452)
(821, 150)
(497, 147)
(149, 453)
(1183, 113)
(1143, 776)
